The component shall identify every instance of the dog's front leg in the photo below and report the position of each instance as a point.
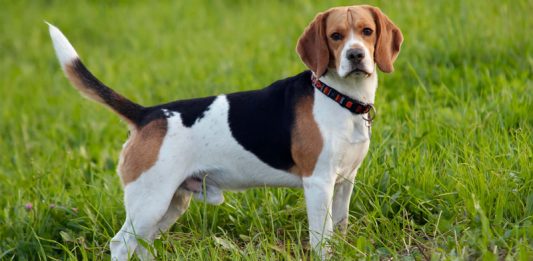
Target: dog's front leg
(341, 204)
(318, 190)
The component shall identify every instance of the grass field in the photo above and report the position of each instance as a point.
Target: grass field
(449, 174)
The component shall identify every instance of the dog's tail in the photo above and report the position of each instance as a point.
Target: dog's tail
(87, 83)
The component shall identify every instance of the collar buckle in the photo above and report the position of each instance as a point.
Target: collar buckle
(371, 114)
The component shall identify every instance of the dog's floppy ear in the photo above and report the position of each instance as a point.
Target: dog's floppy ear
(388, 41)
(313, 45)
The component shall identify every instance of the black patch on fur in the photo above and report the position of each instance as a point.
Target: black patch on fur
(261, 121)
(190, 110)
(119, 103)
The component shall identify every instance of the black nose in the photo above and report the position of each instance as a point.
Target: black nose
(355, 55)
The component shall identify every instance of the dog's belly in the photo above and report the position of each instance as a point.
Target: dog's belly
(208, 147)
(246, 177)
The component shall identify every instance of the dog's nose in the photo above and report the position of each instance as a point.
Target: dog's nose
(355, 55)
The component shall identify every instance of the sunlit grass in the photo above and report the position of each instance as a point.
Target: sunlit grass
(449, 173)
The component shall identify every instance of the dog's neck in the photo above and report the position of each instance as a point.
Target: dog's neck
(356, 87)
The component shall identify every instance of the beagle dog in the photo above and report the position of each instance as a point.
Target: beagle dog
(309, 131)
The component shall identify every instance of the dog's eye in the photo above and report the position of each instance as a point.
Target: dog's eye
(367, 31)
(336, 36)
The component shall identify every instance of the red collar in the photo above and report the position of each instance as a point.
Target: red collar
(355, 106)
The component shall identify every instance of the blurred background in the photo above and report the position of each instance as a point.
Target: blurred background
(449, 173)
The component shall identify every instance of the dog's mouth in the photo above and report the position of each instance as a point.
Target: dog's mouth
(360, 72)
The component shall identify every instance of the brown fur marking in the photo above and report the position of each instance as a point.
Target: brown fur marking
(306, 140)
(346, 20)
(318, 51)
(142, 150)
(72, 75)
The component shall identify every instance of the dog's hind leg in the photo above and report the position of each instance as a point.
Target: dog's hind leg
(178, 206)
(123, 243)
(147, 202)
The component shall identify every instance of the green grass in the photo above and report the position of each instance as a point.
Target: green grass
(449, 174)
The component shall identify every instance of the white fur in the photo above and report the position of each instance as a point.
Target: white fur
(345, 66)
(346, 142)
(64, 50)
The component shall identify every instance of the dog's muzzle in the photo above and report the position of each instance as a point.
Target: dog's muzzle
(356, 58)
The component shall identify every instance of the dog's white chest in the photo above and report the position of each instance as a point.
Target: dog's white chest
(346, 136)
(350, 148)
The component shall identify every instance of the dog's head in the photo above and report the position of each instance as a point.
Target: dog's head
(350, 40)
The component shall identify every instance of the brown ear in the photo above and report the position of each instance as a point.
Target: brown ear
(388, 42)
(313, 46)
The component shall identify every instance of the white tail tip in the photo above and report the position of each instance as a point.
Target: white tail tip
(64, 50)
